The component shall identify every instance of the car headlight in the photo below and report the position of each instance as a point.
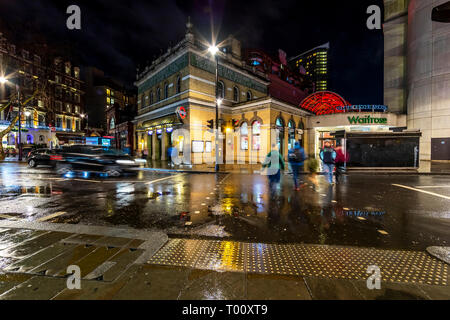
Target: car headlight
(125, 162)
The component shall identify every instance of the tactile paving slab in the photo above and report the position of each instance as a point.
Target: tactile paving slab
(303, 260)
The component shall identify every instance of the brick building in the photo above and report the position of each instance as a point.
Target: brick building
(61, 102)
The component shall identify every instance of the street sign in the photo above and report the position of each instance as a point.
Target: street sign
(182, 113)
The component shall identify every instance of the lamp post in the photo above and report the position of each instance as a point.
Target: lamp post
(3, 80)
(213, 50)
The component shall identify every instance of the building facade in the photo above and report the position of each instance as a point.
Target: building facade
(178, 91)
(52, 119)
(314, 65)
(417, 72)
(119, 117)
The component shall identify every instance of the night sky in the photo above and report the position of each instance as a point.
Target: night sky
(117, 36)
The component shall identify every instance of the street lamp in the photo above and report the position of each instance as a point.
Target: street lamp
(3, 80)
(213, 50)
(84, 115)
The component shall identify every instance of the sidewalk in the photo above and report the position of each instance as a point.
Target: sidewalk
(118, 263)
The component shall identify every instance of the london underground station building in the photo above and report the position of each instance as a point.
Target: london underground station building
(263, 103)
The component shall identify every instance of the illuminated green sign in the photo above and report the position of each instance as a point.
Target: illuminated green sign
(366, 120)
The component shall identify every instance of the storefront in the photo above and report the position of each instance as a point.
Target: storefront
(372, 140)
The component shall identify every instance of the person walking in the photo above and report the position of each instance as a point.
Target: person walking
(297, 157)
(328, 156)
(274, 164)
(340, 161)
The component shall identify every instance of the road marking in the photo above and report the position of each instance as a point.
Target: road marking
(51, 216)
(9, 217)
(86, 180)
(170, 177)
(423, 191)
(435, 187)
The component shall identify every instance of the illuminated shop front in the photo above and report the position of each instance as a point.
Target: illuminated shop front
(371, 135)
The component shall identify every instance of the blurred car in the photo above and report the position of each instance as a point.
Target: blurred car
(46, 157)
(94, 159)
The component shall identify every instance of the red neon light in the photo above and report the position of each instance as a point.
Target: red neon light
(324, 102)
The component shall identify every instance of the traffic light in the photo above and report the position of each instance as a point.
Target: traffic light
(210, 124)
(235, 122)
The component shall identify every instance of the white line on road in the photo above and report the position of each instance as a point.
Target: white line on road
(5, 216)
(432, 187)
(170, 177)
(423, 191)
(51, 216)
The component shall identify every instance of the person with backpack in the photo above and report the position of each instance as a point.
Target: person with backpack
(328, 157)
(297, 157)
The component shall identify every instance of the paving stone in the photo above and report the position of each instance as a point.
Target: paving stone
(390, 291)
(13, 237)
(436, 292)
(276, 287)
(36, 288)
(61, 262)
(155, 283)
(332, 289)
(31, 246)
(94, 259)
(212, 285)
(123, 260)
(41, 257)
(10, 280)
(98, 290)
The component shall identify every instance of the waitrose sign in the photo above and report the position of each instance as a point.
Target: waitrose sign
(366, 120)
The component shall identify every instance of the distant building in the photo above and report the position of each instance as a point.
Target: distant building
(53, 120)
(314, 65)
(119, 117)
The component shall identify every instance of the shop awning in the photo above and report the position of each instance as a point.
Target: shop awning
(171, 120)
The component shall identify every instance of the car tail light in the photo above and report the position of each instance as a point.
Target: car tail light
(56, 157)
(29, 153)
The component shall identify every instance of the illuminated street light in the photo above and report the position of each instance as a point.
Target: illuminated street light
(3, 80)
(213, 50)
(219, 101)
(27, 113)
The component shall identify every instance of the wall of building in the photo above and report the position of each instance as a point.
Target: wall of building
(428, 74)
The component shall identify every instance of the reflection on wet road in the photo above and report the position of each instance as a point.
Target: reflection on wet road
(363, 211)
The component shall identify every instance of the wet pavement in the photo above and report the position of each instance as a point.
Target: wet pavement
(178, 235)
(382, 211)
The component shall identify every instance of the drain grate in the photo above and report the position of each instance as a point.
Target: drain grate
(303, 260)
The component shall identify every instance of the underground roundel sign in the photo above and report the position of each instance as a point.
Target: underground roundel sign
(182, 112)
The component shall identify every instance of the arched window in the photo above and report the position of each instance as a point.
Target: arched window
(301, 136)
(236, 94)
(112, 123)
(11, 139)
(249, 95)
(279, 123)
(166, 91)
(179, 84)
(158, 94)
(41, 138)
(220, 89)
(256, 135)
(29, 139)
(291, 126)
(244, 136)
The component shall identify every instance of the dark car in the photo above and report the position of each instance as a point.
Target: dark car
(46, 157)
(94, 159)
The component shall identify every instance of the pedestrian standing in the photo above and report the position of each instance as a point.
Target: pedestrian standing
(328, 157)
(274, 164)
(297, 157)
